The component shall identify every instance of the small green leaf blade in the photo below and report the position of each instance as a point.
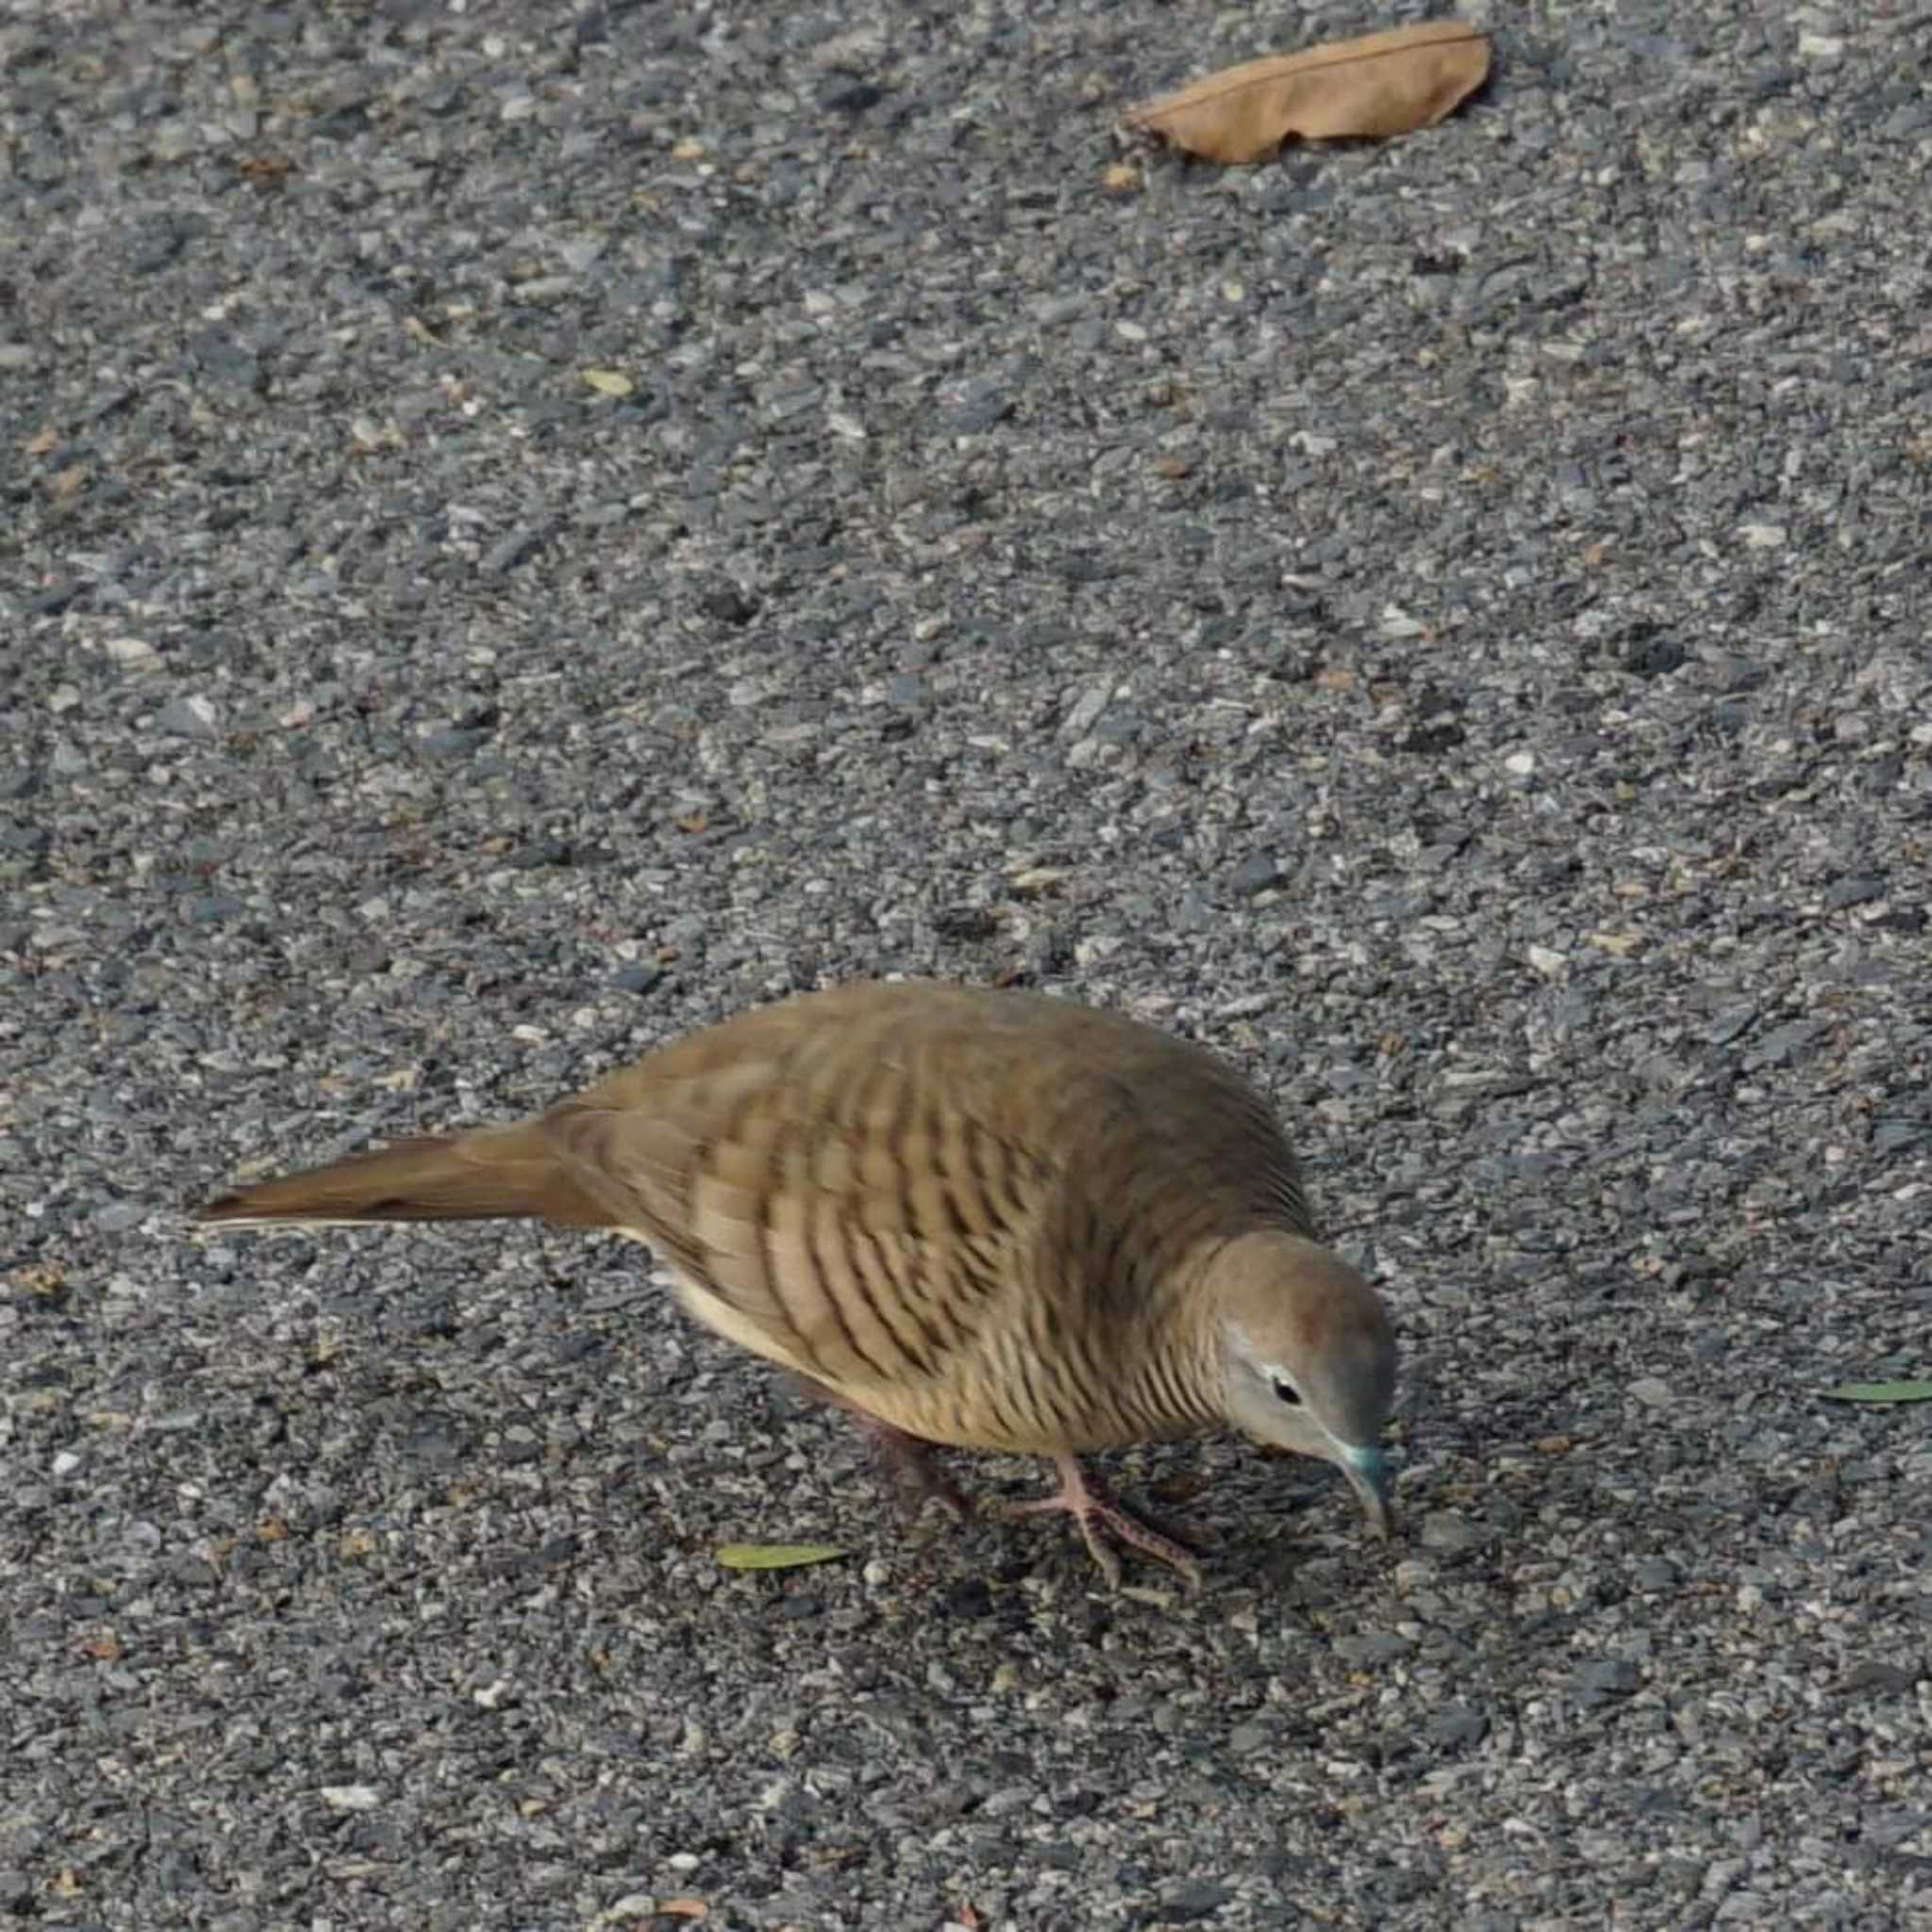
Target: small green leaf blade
(777, 1556)
(1880, 1391)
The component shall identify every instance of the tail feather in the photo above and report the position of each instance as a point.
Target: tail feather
(497, 1173)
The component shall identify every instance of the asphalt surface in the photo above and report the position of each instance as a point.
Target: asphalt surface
(523, 530)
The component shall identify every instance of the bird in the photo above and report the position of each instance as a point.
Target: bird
(977, 1218)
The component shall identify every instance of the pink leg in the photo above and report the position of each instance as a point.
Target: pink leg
(1087, 1501)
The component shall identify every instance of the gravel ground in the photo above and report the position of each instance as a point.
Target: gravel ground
(1446, 623)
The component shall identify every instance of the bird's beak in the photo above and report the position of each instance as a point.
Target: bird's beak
(1370, 1477)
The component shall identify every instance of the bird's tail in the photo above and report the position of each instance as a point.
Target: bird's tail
(495, 1173)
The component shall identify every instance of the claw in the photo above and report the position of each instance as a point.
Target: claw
(1087, 1500)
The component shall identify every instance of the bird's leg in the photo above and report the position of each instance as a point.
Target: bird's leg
(908, 1458)
(1086, 1499)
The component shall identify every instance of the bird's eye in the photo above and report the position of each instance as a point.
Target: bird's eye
(1287, 1391)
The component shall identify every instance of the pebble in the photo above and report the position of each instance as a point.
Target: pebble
(190, 717)
(1600, 1681)
(1255, 874)
(350, 1797)
(1443, 1530)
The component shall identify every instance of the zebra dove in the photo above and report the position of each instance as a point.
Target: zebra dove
(987, 1219)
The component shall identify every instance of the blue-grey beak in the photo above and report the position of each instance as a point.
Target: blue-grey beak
(1370, 1477)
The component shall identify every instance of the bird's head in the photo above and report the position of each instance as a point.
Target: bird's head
(1307, 1358)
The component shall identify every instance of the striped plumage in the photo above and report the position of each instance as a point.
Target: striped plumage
(991, 1219)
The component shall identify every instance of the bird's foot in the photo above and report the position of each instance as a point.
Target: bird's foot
(916, 1478)
(1086, 1499)
(915, 1473)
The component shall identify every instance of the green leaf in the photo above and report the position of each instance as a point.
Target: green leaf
(777, 1556)
(1880, 1391)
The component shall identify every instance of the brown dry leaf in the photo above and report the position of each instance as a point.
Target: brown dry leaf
(1377, 86)
(265, 171)
(43, 441)
(693, 1908)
